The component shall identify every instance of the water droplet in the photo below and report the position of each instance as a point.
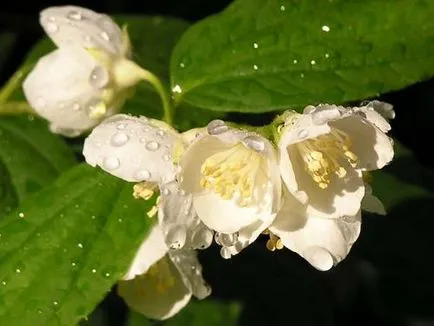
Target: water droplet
(227, 240)
(105, 36)
(313, 62)
(176, 236)
(120, 220)
(94, 271)
(295, 61)
(225, 253)
(107, 274)
(121, 126)
(255, 45)
(216, 127)
(93, 217)
(202, 238)
(119, 139)
(51, 27)
(160, 133)
(165, 191)
(327, 55)
(143, 175)
(181, 192)
(177, 89)
(152, 145)
(4, 283)
(73, 264)
(254, 142)
(326, 28)
(40, 102)
(166, 157)
(303, 134)
(55, 303)
(182, 64)
(80, 245)
(282, 8)
(255, 67)
(111, 163)
(74, 15)
(18, 271)
(21, 215)
(76, 106)
(302, 75)
(99, 77)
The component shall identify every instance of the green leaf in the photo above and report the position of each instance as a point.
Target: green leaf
(31, 157)
(64, 248)
(197, 313)
(7, 41)
(403, 180)
(264, 55)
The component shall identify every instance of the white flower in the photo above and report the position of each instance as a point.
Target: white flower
(87, 77)
(324, 151)
(145, 151)
(160, 282)
(322, 242)
(235, 183)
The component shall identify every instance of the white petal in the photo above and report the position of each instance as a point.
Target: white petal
(374, 117)
(141, 294)
(372, 204)
(191, 271)
(59, 90)
(81, 27)
(342, 197)
(373, 147)
(322, 242)
(152, 250)
(225, 216)
(132, 149)
(304, 127)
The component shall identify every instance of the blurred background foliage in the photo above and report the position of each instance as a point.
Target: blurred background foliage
(387, 279)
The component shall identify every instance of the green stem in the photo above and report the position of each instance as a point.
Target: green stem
(167, 105)
(13, 83)
(15, 107)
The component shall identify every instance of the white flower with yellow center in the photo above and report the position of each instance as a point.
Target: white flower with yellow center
(321, 241)
(324, 151)
(145, 151)
(160, 282)
(87, 77)
(235, 182)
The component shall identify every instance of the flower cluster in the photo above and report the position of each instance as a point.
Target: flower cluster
(302, 181)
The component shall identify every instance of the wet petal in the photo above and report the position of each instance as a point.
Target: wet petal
(152, 250)
(133, 149)
(81, 27)
(59, 90)
(156, 295)
(372, 204)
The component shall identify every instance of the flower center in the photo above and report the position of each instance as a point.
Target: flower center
(232, 172)
(323, 156)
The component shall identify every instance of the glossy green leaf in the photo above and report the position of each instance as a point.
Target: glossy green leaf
(64, 248)
(197, 313)
(264, 55)
(31, 157)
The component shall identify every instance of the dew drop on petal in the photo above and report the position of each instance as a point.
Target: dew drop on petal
(99, 77)
(225, 253)
(152, 145)
(216, 127)
(176, 236)
(227, 240)
(166, 157)
(74, 15)
(160, 133)
(202, 238)
(105, 36)
(142, 175)
(119, 139)
(111, 163)
(255, 143)
(121, 126)
(76, 107)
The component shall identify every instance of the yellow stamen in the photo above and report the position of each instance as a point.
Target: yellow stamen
(274, 242)
(324, 154)
(232, 172)
(144, 190)
(159, 277)
(152, 212)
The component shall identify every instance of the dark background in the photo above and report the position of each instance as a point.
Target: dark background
(388, 278)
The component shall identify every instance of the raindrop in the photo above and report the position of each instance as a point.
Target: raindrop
(143, 175)
(99, 77)
(120, 220)
(202, 238)
(176, 236)
(166, 157)
(94, 271)
(177, 89)
(325, 28)
(282, 8)
(165, 191)
(182, 65)
(52, 27)
(76, 106)
(303, 134)
(227, 240)
(119, 139)
(39, 311)
(80, 245)
(255, 45)
(74, 15)
(21, 215)
(55, 303)
(107, 274)
(295, 61)
(313, 62)
(73, 264)
(111, 163)
(225, 253)
(152, 145)
(93, 217)
(255, 67)
(4, 283)
(327, 55)
(160, 133)
(105, 36)
(255, 143)
(121, 126)
(18, 271)
(216, 127)
(302, 75)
